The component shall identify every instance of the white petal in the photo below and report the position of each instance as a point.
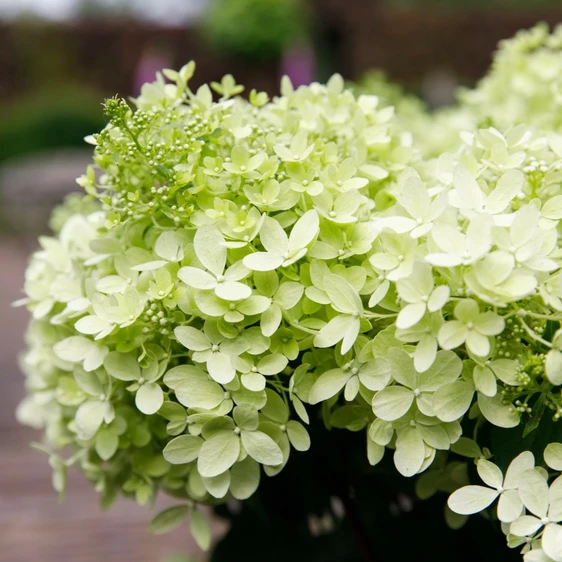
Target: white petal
(471, 499)
(510, 506)
(525, 525)
(490, 473)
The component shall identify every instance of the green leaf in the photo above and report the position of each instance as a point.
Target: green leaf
(262, 448)
(106, 443)
(538, 411)
(169, 519)
(467, 448)
(182, 449)
(149, 398)
(200, 530)
(122, 366)
(218, 453)
(328, 385)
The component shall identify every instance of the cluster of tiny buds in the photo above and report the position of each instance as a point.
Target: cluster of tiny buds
(157, 320)
(535, 165)
(521, 407)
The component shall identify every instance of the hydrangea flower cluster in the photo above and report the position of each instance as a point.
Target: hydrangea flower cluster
(248, 260)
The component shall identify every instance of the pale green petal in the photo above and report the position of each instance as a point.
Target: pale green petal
(477, 343)
(220, 368)
(218, 453)
(209, 247)
(553, 366)
(525, 525)
(553, 456)
(263, 261)
(451, 401)
(88, 418)
(233, 291)
(197, 278)
(122, 366)
(334, 331)
(452, 334)
(410, 315)
(304, 231)
(533, 491)
(200, 530)
(182, 449)
(410, 452)
(484, 380)
(197, 392)
(392, 402)
(522, 462)
(218, 486)
(375, 374)
(328, 385)
(193, 339)
(489, 324)
(149, 398)
(489, 473)
(496, 412)
(244, 478)
(261, 448)
(298, 436)
(510, 506)
(169, 519)
(342, 295)
(552, 542)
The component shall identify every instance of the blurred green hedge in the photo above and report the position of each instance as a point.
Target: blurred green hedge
(527, 5)
(48, 119)
(255, 29)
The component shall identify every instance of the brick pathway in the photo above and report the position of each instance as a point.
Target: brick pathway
(33, 526)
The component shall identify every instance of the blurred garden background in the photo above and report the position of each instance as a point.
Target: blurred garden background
(61, 58)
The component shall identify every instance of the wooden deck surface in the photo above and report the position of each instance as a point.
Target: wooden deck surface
(34, 527)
